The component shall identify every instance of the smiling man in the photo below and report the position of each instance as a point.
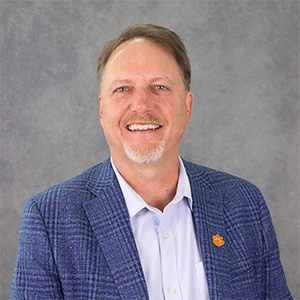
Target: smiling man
(146, 224)
(144, 110)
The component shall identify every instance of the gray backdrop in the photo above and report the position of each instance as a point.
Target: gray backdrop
(245, 77)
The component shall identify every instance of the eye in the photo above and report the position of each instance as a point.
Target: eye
(160, 87)
(122, 89)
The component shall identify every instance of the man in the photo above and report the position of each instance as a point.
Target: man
(146, 224)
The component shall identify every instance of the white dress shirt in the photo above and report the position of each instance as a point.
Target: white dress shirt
(167, 244)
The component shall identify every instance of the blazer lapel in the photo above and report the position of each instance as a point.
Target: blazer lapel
(110, 221)
(209, 221)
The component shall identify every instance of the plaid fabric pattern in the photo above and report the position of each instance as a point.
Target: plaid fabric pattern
(76, 241)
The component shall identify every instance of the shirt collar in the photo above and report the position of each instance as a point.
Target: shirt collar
(135, 203)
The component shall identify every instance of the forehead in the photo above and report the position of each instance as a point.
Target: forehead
(140, 55)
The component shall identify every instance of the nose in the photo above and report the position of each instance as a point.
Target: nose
(141, 101)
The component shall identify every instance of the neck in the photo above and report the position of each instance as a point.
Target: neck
(155, 182)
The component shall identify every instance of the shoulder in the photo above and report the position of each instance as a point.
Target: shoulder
(234, 191)
(71, 193)
(214, 179)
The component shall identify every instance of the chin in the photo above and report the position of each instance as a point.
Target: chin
(144, 156)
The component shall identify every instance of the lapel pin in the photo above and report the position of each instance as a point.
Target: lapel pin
(218, 240)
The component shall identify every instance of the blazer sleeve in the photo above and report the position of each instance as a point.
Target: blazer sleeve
(35, 274)
(275, 281)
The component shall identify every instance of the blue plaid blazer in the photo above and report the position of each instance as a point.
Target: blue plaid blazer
(76, 240)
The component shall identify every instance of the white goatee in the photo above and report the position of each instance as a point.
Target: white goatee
(144, 156)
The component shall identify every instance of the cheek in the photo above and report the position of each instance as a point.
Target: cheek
(180, 118)
(111, 116)
(105, 116)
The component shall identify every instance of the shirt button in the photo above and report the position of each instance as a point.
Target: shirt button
(165, 234)
(172, 291)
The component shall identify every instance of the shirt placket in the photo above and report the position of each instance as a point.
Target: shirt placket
(170, 280)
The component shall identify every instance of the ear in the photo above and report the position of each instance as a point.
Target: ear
(100, 107)
(189, 105)
(100, 101)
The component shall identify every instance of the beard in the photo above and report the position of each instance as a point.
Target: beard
(144, 156)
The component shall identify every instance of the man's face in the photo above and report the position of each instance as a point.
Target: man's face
(144, 107)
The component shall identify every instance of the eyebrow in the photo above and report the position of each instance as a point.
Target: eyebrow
(119, 81)
(128, 81)
(166, 78)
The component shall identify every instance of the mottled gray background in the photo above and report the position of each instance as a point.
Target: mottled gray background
(245, 69)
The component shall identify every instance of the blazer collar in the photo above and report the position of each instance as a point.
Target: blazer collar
(109, 218)
(209, 221)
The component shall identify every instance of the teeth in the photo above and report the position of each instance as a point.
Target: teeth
(142, 127)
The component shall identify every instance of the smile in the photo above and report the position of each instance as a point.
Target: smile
(134, 127)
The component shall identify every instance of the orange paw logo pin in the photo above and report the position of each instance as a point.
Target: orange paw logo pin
(218, 240)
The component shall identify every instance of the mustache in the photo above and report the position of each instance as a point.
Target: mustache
(145, 118)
